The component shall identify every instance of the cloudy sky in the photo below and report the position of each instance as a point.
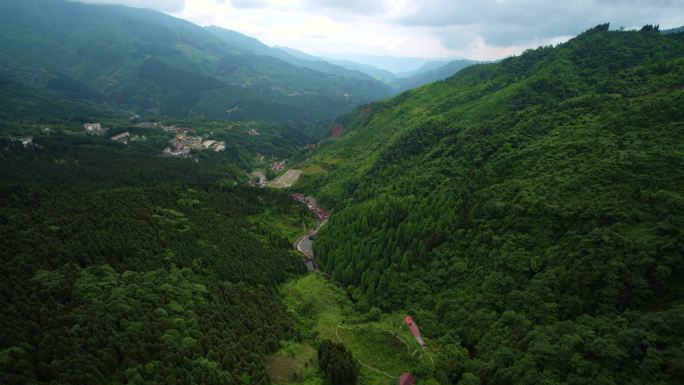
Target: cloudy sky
(475, 29)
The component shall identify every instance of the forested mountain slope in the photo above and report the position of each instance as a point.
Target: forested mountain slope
(253, 45)
(528, 214)
(431, 75)
(122, 267)
(147, 62)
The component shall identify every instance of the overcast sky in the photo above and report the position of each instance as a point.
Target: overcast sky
(475, 29)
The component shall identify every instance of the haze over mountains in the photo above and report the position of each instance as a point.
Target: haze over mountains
(410, 72)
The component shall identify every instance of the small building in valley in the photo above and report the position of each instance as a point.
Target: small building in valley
(147, 125)
(407, 379)
(122, 137)
(279, 166)
(219, 146)
(214, 145)
(414, 330)
(312, 205)
(179, 152)
(93, 128)
(26, 141)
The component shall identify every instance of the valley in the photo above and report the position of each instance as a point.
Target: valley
(183, 203)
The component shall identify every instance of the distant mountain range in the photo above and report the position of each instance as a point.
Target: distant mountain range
(428, 72)
(673, 30)
(60, 57)
(300, 59)
(65, 58)
(431, 72)
(382, 75)
(399, 65)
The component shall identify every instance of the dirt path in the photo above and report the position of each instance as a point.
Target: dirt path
(286, 180)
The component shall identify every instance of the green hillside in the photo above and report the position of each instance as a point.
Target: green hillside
(122, 267)
(430, 75)
(150, 63)
(529, 211)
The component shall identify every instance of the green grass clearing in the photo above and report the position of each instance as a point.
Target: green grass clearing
(379, 349)
(317, 305)
(292, 227)
(323, 311)
(293, 363)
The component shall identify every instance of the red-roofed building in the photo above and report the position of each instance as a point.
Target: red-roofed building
(414, 330)
(407, 379)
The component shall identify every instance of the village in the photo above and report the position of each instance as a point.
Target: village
(313, 206)
(25, 141)
(180, 146)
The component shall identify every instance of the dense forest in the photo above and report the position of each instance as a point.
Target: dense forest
(120, 266)
(528, 214)
(337, 365)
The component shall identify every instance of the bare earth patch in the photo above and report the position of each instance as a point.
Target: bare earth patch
(336, 131)
(286, 180)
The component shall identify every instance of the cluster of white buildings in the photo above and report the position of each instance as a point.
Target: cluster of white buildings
(126, 136)
(182, 144)
(93, 128)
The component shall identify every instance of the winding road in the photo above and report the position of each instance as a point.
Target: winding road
(305, 246)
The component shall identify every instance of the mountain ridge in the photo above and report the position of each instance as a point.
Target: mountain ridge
(252, 44)
(128, 54)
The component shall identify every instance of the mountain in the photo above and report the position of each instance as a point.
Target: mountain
(428, 73)
(376, 73)
(394, 64)
(673, 30)
(255, 46)
(528, 214)
(298, 54)
(425, 67)
(144, 61)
